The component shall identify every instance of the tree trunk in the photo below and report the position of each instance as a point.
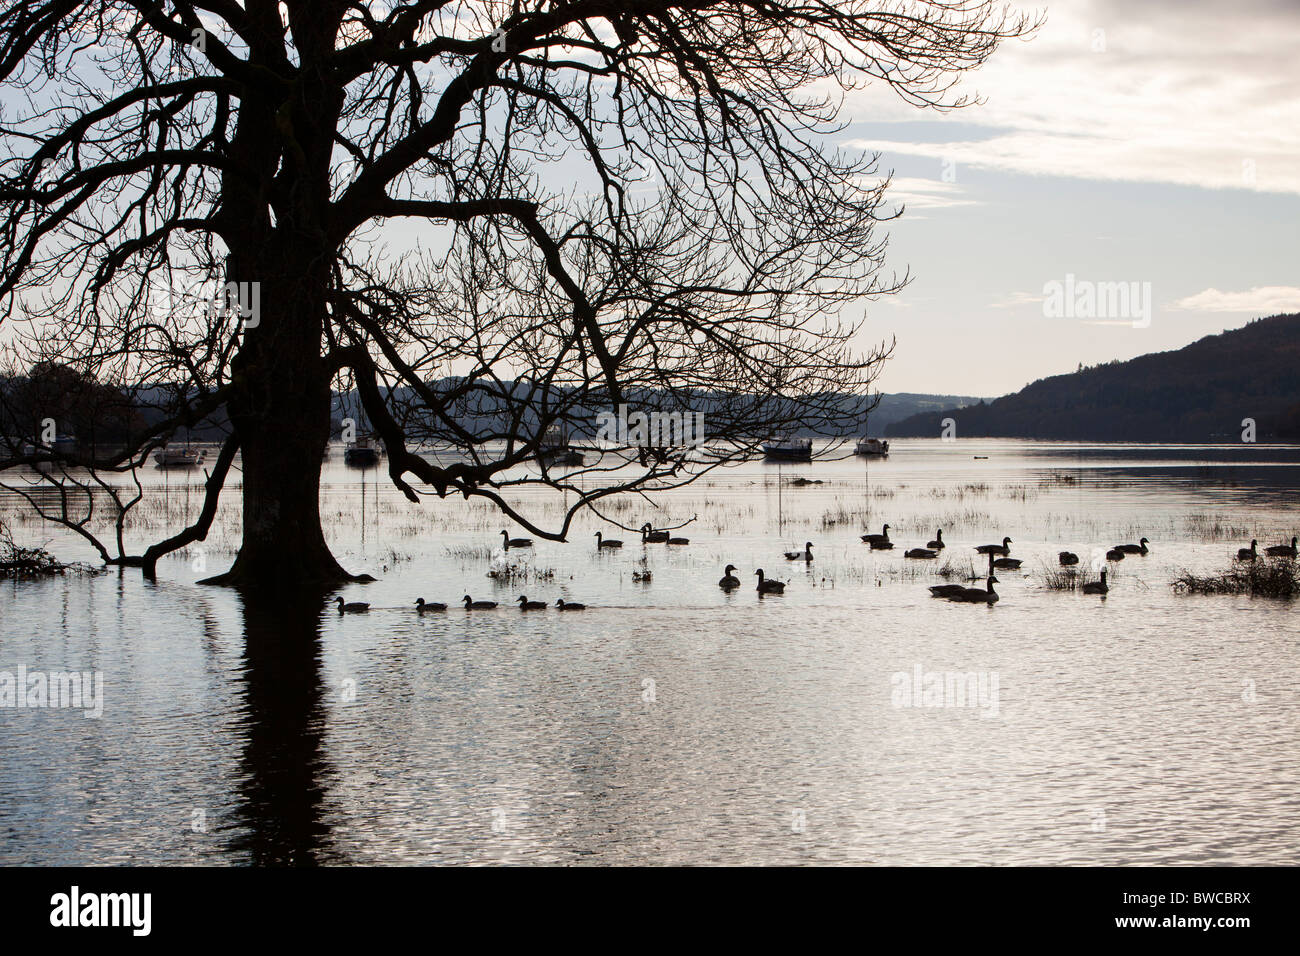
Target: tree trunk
(281, 410)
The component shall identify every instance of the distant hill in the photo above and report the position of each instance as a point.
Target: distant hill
(1199, 393)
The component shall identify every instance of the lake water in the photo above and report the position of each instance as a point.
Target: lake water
(673, 723)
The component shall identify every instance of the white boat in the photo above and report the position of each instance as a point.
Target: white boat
(178, 456)
(788, 448)
(872, 447)
(361, 452)
(554, 448)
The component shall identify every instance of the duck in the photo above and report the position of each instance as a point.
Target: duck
(946, 590)
(883, 536)
(650, 536)
(1282, 550)
(1114, 554)
(1097, 587)
(564, 605)
(937, 544)
(515, 542)
(527, 605)
(920, 553)
(423, 607)
(354, 608)
(729, 581)
(1002, 548)
(611, 543)
(804, 555)
(1067, 558)
(478, 605)
(1140, 548)
(1249, 554)
(978, 595)
(769, 587)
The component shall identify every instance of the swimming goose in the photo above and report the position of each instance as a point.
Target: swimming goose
(478, 605)
(1005, 564)
(1067, 558)
(946, 590)
(564, 605)
(527, 605)
(937, 544)
(515, 542)
(1097, 587)
(678, 541)
(1133, 548)
(729, 581)
(1282, 550)
(1114, 554)
(995, 548)
(650, 536)
(978, 595)
(422, 606)
(769, 587)
(919, 553)
(883, 536)
(804, 555)
(602, 543)
(1248, 554)
(355, 608)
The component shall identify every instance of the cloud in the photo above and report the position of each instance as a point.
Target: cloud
(917, 193)
(1016, 299)
(1262, 300)
(1135, 92)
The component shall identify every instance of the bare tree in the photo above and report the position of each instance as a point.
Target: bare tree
(620, 202)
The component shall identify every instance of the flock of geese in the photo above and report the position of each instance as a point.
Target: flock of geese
(999, 556)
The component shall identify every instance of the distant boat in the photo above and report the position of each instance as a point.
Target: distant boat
(178, 456)
(554, 448)
(872, 448)
(361, 453)
(788, 448)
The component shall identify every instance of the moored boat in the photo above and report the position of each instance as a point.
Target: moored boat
(788, 448)
(178, 456)
(872, 447)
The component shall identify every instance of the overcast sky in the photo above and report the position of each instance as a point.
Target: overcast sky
(1143, 142)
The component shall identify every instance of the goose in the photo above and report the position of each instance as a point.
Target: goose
(937, 544)
(564, 605)
(1283, 550)
(883, 536)
(1114, 554)
(804, 555)
(423, 607)
(650, 536)
(995, 548)
(1097, 587)
(602, 543)
(729, 581)
(1133, 548)
(1248, 554)
(1068, 558)
(355, 608)
(478, 605)
(515, 542)
(919, 553)
(978, 595)
(527, 605)
(946, 590)
(678, 541)
(769, 587)
(1005, 564)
